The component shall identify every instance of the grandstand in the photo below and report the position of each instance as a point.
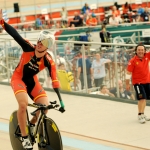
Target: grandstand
(31, 8)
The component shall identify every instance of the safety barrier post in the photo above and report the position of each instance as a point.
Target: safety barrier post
(139, 37)
(116, 71)
(84, 68)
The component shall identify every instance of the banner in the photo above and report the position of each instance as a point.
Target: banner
(138, 1)
(146, 33)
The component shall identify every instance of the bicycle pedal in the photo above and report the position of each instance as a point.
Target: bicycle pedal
(41, 145)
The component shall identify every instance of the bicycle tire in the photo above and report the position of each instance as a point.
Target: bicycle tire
(53, 134)
(13, 123)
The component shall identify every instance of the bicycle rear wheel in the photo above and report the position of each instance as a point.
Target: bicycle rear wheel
(13, 124)
(53, 136)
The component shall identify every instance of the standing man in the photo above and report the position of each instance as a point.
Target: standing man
(64, 16)
(139, 68)
(80, 74)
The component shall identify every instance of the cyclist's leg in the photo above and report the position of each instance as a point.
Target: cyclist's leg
(38, 95)
(22, 100)
(41, 100)
(19, 89)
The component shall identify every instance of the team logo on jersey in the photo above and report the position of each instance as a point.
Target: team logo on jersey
(33, 66)
(137, 63)
(52, 63)
(41, 90)
(20, 85)
(39, 63)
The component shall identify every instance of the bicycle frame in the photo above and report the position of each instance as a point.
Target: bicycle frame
(41, 121)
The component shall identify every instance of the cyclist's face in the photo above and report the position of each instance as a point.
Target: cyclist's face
(40, 48)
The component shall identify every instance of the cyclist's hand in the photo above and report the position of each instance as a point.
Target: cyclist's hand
(1, 14)
(61, 109)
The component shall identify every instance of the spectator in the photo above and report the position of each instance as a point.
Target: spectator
(64, 16)
(98, 69)
(77, 20)
(69, 78)
(80, 74)
(115, 12)
(126, 8)
(38, 23)
(104, 91)
(91, 21)
(85, 9)
(113, 20)
(57, 25)
(104, 36)
(93, 13)
(140, 10)
(145, 15)
(122, 92)
(61, 67)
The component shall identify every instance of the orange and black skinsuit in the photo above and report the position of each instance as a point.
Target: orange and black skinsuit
(24, 78)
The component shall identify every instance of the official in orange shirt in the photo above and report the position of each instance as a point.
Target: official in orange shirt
(139, 68)
(91, 21)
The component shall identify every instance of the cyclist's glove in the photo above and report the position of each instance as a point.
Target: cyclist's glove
(62, 108)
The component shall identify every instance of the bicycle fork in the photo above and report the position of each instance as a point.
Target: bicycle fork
(42, 142)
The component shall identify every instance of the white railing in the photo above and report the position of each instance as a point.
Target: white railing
(9, 60)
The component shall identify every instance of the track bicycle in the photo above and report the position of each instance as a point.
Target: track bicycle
(46, 132)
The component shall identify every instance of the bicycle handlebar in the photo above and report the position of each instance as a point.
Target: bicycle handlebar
(53, 105)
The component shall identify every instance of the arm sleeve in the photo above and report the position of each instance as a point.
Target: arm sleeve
(12, 32)
(49, 63)
(130, 65)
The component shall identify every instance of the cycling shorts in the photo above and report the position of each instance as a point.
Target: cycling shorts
(31, 86)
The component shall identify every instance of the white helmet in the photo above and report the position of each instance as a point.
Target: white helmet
(46, 38)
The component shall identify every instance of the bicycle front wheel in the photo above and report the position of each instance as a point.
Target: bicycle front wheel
(52, 137)
(13, 125)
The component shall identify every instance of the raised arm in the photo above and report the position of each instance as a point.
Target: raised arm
(13, 32)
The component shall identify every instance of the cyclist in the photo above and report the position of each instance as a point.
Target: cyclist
(24, 80)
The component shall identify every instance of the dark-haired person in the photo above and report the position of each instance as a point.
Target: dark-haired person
(104, 91)
(104, 35)
(139, 68)
(24, 81)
